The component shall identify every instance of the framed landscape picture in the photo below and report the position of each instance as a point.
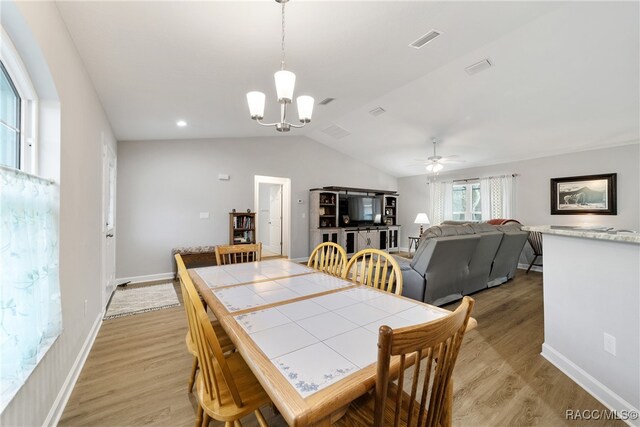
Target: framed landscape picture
(589, 194)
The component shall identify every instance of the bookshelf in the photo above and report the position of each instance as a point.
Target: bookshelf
(242, 228)
(390, 210)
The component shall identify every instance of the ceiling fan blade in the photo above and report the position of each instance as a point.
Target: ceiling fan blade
(451, 161)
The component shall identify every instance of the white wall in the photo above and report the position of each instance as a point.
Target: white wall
(591, 288)
(40, 36)
(164, 185)
(533, 188)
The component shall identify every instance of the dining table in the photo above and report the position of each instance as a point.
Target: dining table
(309, 338)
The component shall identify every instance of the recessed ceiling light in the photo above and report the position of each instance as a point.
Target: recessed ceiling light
(181, 123)
(478, 66)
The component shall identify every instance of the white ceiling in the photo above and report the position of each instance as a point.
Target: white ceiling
(566, 76)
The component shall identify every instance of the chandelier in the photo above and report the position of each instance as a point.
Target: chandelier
(285, 82)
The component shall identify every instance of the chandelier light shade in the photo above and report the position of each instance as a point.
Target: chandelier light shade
(305, 108)
(285, 84)
(256, 104)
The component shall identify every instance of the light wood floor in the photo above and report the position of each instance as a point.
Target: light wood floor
(136, 373)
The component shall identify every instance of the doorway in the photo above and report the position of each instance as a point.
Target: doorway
(273, 206)
(270, 219)
(108, 222)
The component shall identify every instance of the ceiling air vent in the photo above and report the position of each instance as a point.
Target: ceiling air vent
(326, 101)
(425, 39)
(377, 111)
(478, 66)
(336, 132)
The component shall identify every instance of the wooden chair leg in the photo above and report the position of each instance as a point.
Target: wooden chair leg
(261, 420)
(194, 369)
(205, 420)
(228, 424)
(199, 416)
(237, 423)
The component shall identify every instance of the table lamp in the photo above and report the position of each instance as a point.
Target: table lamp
(421, 219)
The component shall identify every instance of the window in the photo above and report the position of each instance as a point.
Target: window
(10, 126)
(466, 202)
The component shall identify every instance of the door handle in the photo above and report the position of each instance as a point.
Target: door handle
(109, 235)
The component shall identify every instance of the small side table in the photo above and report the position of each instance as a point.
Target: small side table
(413, 241)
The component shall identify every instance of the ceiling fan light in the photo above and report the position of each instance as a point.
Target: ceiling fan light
(437, 167)
(255, 100)
(430, 167)
(305, 108)
(285, 83)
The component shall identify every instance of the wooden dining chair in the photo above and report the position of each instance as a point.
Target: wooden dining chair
(226, 388)
(225, 341)
(375, 268)
(422, 394)
(329, 258)
(235, 254)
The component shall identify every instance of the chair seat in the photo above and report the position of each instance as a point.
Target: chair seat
(251, 392)
(360, 412)
(223, 338)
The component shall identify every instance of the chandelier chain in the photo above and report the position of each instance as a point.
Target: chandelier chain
(282, 60)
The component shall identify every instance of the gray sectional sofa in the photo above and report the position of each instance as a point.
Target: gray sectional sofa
(457, 260)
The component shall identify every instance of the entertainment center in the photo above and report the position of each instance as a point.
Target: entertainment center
(354, 218)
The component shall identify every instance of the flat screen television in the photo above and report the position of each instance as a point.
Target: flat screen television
(364, 209)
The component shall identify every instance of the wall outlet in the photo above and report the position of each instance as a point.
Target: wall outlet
(304, 215)
(609, 343)
(204, 215)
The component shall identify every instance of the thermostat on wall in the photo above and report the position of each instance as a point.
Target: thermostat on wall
(224, 177)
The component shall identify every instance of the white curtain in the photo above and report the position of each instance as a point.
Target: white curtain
(497, 197)
(30, 310)
(440, 207)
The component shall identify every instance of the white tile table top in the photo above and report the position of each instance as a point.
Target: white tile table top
(232, 274)
(317, 341)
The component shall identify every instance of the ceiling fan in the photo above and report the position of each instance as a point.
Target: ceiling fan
(436, 163)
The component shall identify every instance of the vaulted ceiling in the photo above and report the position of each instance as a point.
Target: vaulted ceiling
(565, 76)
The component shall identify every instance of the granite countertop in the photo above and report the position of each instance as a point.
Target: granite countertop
(613, 235)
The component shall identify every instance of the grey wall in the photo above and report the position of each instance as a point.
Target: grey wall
(533, 188)
(164, 185)
(75, 145)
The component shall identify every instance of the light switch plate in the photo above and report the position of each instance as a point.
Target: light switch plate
(609, 344)
(224, 177)
(204, 215)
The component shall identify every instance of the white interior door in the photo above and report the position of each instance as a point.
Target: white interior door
(108, 222)
(275, 219)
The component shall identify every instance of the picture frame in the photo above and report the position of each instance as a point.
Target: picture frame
(582, 195)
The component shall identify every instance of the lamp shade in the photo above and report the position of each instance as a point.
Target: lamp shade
(256, 104)
(305, 108)
(421, 218)
(285, 83)
(437, 167)
(430, 167)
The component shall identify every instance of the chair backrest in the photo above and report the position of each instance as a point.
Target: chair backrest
(434, 348)
(185, 295)
(236, 254)
(535, 240)
(328, 257)
(375, 268)
(213, 365)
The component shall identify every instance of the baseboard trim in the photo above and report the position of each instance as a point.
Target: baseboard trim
(401, 249)
(303, 259)
(69, 383)
(594, 387)
(522, 266)
(148, 278)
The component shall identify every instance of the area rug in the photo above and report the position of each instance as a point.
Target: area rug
(135, 300)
